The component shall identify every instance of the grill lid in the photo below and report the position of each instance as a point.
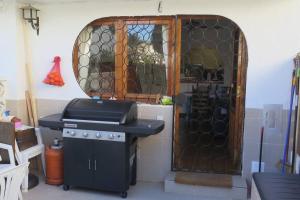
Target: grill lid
(100, 111)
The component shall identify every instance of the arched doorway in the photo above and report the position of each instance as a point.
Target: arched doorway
(211, 62)
(199, 60)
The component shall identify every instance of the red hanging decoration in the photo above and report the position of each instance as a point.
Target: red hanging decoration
(54, 76)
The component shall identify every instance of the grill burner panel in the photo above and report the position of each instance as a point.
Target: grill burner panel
(94, 135)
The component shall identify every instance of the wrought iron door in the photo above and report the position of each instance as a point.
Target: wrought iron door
(208, 113)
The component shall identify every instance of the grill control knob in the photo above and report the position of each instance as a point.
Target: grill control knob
(72, 133)
(98, 135)
(111, 136)
(85, 134)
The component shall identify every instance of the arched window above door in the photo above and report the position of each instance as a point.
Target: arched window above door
(141, 58)
(126, 58)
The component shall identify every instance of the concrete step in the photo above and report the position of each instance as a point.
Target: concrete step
(237, 192)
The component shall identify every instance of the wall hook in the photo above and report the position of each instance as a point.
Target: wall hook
(159, 8)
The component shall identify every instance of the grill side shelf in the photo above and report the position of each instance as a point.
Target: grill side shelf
(144, 127)
(138, 128)
(52, 121)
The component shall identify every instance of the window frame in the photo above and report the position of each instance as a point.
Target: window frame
(121, 36)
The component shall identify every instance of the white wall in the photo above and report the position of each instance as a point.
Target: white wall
(12, 56)
(271, 28)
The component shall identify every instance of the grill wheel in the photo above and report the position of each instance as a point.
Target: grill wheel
(124, 195)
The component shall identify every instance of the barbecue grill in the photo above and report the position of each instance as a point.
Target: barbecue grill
(100, 142)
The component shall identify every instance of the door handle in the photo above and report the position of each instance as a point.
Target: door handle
(89, 164)
(95, 165)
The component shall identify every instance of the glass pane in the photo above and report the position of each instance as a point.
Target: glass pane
(207, 49)
(96, 59)
(147, 61)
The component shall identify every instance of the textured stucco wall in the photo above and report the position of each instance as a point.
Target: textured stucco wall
(271, 28)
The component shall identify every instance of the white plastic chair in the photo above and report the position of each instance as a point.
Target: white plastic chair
(24, 156)
(11, 178)
(10, 154)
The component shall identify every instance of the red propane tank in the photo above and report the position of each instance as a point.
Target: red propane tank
(54, 164)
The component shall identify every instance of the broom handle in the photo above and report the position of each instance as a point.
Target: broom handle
(28, 105)
(260, 149)
(287, 136)
(30, 93)
(31, 99)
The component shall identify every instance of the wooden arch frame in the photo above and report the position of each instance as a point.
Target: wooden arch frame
(173, 88)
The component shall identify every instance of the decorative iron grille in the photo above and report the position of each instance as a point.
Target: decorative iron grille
(208, 78)
(96, 55)
(127, 59)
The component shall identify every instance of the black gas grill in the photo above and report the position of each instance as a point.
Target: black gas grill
(100, 141)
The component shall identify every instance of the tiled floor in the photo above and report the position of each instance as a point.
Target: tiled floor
(141, 191)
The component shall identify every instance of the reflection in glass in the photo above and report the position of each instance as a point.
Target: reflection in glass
(147, 58)
(96, 59)
(142, 57)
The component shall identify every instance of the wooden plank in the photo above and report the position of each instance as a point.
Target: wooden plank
(141, 96)
(235, 127)
(201, 17)
(149, 98)
(243, 94)
(119, 59)
(132, 19)
(147, 18)
(237, 112)
(240, 100)
(101, 22)
(29, 108)
(178, 56)
(176, 137)
(30, 100)
(148, 21)
(28, 70)
(76, 59)
(204, 179)
(7, 136)
(125, 59)
(171, 57)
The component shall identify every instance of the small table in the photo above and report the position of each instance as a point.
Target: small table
(25, 137)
